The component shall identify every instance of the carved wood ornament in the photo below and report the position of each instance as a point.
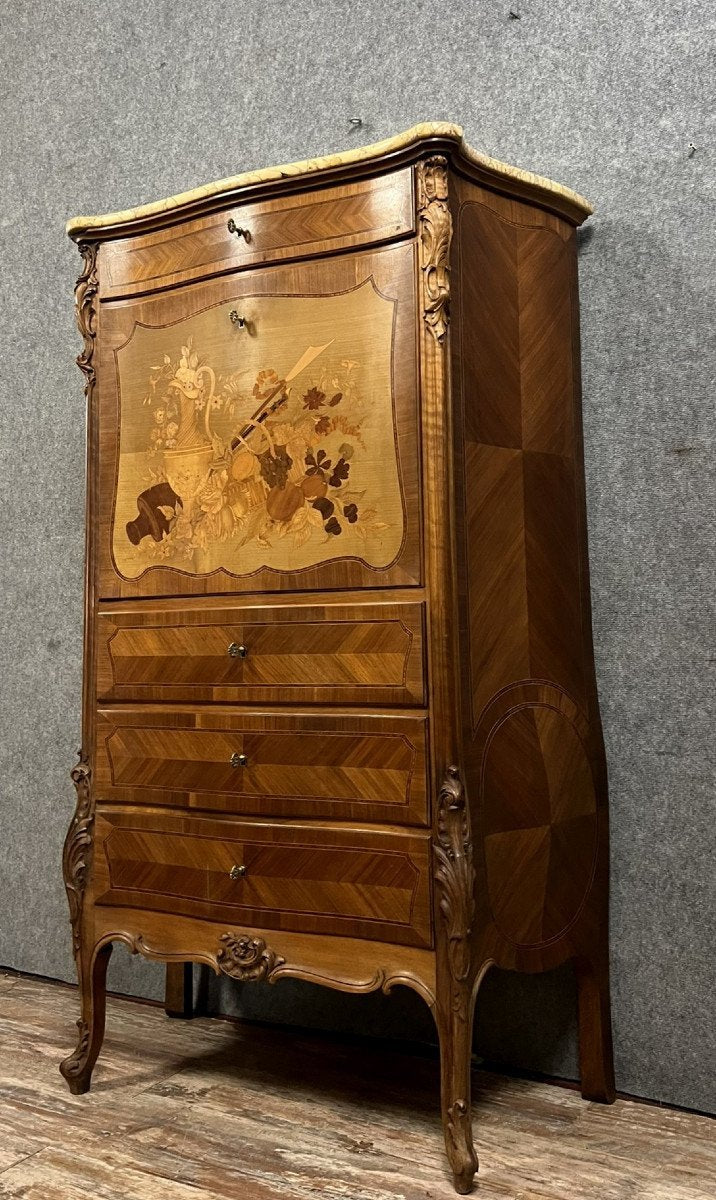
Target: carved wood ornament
(454, 872)
(247, 958)
(86, 312)
(435, 237)
(78, 842)
(78, 847)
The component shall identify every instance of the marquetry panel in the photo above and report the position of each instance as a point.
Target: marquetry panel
(364, 654)
(359, 883)
(362, 768)
(280, 456)
(308, 224)
(518, 450)
(538, 813)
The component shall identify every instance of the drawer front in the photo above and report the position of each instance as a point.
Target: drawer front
(353, 768)
(358, 883)
(349, 654)
(320, 222)
(280, 457)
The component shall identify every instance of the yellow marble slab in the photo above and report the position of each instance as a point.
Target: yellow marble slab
(310, 166)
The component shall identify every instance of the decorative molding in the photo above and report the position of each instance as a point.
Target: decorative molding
(435, 238)
(247, 958)
(485, 169)
(86, 312)
(78, 846)
(454, 872)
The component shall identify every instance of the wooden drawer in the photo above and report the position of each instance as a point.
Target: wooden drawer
(368, 768)
(359, 883)
(299, 226)
(348, 654)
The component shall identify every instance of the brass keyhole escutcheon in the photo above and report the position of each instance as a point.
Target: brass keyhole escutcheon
(238, 760)
(237, 651)
(237, 320)
(237, 872)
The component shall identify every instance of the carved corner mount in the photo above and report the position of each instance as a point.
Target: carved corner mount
(435, 238)
(86, 311)
(78, 846)
(454, 871)
(247, 958)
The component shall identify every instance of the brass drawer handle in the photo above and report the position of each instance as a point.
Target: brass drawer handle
(234, 228)
(239, 322)
(237, 872)
(238, 760)
(237, 651)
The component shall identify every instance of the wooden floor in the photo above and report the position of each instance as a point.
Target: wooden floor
(206, 1109)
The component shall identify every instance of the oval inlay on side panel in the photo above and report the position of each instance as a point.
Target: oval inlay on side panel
(539, 823)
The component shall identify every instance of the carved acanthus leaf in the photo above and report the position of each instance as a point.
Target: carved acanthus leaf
(459, 1145)
(86, 311)
(78, 846)
(247, 958)
(435, 238)
(454, 872)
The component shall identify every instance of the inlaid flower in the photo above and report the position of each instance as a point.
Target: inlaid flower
(266, 382)
(314, 398)
(340, 473)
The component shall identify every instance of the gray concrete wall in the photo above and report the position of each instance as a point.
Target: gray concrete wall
(105, 105)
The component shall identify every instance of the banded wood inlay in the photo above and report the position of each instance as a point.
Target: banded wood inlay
(291, 873)
(374, 767)
(288, 227)
(346, 653)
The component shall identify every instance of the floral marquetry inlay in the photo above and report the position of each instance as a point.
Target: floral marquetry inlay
(273, 448)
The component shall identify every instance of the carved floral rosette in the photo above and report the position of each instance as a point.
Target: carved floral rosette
(247, 958)
(435, 238)
(454, 872)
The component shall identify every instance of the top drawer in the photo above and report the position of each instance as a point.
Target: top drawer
(300, 226)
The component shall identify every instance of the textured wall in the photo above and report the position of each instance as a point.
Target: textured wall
(107, 105)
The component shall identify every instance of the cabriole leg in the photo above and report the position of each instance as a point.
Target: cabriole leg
(77, 1068)
(595, 1029)
(455, 1034)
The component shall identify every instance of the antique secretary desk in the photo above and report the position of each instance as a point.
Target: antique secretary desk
(340, 719)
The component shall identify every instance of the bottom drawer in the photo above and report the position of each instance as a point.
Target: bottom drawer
(313, 879)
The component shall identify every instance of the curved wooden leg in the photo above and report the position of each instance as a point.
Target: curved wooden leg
(179, 991)
(77, 1068)
(454, 1022)
(595, 1029)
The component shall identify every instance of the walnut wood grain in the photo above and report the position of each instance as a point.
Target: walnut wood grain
(532, 741)
(290, 227)
(359, 767)
(320, 879)
(344, 654)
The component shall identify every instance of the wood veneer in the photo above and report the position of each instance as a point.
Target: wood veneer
(347, 740)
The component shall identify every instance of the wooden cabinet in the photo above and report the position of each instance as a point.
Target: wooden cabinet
(340, 720)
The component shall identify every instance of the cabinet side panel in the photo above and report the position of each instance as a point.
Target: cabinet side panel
(531, 734)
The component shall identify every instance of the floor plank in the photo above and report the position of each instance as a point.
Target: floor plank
(211, 1110)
